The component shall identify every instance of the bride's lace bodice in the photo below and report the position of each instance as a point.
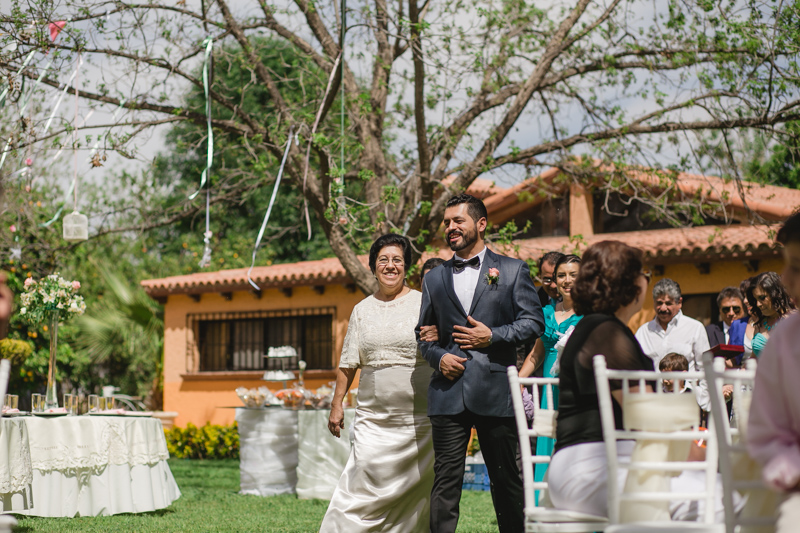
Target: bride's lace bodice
(382, 333)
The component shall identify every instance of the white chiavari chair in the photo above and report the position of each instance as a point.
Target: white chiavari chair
(539, 519)
(663, 425)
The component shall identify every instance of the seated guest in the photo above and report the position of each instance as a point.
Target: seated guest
(774, 422)
(731, 309)
(609, 290)
(674, 362)
(672, 331)
(770, 303)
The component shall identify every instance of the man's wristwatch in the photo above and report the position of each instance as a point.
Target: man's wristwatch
(490, 337)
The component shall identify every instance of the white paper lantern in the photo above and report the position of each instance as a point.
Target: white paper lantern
(76, 227)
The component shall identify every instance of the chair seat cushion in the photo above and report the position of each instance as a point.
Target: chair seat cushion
(546, 514)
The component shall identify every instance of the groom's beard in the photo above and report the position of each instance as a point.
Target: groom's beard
(468, 238)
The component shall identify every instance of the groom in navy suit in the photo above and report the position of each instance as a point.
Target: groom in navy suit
(483, 304)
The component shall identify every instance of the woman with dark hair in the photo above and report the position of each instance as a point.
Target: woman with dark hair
(770, 303)
(387, 482)
(610, 288)
(559, 319)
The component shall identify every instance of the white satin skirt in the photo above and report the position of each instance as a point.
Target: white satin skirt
(386, 485)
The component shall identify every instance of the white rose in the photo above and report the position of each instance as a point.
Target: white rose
(23, 310)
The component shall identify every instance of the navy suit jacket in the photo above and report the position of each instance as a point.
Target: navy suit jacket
(509, 307)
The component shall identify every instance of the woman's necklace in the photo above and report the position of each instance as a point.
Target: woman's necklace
(767, 326)
(564, 313)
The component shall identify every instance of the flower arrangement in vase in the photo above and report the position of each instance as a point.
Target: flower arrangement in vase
(51, 299)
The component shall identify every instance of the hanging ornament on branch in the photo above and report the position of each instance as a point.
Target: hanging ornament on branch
(76, 225)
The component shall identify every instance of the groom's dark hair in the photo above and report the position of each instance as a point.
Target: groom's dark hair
(475, 207)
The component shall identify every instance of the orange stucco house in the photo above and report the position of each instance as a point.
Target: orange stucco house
(217, 328)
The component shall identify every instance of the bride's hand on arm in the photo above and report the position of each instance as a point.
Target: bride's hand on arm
(429, 334)
(344, 378)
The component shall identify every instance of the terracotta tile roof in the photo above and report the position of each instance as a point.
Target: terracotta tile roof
(306, 273)
(772, 202)
(704, 243)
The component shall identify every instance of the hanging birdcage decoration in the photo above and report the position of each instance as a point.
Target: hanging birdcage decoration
(76, 227)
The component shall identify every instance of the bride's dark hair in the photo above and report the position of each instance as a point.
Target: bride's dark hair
(390, 239)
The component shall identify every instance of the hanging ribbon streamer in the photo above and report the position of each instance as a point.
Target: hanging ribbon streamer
(60, 97)
(209, 44)
(311, 139)
(8, 86)
(269, 208)
(72, 187)
(5, 92)
(205, 260)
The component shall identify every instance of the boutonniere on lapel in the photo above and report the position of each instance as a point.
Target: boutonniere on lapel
(492, 276)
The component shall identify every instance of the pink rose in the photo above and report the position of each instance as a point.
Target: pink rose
(29, 161)
(493, 272)
(13, 228)
(28, 282)
(76, 285)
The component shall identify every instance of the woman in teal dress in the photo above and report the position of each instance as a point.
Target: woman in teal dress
(558, 318)
(770, 303)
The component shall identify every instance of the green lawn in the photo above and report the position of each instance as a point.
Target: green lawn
(210, 503)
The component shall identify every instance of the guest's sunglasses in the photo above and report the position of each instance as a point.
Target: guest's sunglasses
(736, 309)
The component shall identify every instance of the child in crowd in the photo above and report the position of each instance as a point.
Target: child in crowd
(674, 362)
(774, 422)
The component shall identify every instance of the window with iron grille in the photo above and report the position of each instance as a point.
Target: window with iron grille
(239, 341)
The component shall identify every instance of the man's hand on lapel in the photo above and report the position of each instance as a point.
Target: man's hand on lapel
(450, 365)
(469, 338)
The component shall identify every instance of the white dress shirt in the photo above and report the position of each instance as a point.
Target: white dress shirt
(684, 335)
(726, 332)
(466, 281)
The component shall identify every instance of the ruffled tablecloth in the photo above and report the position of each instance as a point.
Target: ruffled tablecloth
(16, 475)
(99, 465)
(321, 456)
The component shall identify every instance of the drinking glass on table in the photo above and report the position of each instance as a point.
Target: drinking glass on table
(37, 403)
(11, 402)
(68, 402)
(94, 403)
(101, 403)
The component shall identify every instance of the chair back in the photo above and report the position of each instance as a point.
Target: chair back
(739, 472)
(663, 425)
(526, 430)
(5, 374)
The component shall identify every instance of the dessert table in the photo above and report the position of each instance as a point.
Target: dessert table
(15, 465)
(267, 450)
(321, 456)
(283, 451)
(98, 465)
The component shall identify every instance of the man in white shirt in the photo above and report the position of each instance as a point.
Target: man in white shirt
(673, 332)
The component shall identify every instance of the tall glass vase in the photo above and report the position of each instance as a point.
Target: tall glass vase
(51, 398)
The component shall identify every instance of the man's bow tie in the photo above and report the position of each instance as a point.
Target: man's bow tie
(459, 265)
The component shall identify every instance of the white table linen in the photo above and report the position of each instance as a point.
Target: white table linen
(99, 465)
(267, 451)
(16, 474)
(321, 456)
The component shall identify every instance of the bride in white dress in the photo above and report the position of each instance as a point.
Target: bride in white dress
(387, 482)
